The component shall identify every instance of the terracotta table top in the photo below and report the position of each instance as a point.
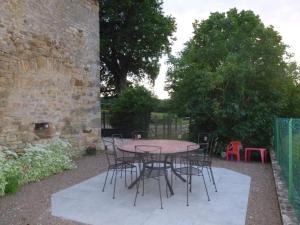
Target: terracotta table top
(167, 146)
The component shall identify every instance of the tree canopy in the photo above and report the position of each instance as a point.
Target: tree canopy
(133, 36)
(233, 76)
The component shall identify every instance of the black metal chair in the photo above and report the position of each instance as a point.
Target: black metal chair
(140, 134)
(192, 166)
(207, 145)
(154, 166)
(121, 155)
(125, 157)
(203, 140)
(115, 164)
(208, 150)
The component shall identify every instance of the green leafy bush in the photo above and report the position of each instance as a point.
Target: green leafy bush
(13, 183)
(2, 175)
(11, 176)
(38, 162)
(132, 109)
(45, 159)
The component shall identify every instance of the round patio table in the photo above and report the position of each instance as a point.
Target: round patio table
(169, 148)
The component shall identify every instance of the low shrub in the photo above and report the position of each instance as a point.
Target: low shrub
(131, 110)
(13, 183)
(38, 162)
(2, 175)
(11, 176)
(42, 160)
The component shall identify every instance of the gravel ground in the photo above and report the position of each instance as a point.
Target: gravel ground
(31, 205)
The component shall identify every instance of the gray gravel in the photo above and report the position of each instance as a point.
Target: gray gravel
(31, 205)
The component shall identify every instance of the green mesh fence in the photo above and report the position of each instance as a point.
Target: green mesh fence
(287, 150)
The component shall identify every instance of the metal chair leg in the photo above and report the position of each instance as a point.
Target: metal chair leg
(213, 179)
(161, 206)
(131, 174)
(135, 173)
(105, 180)
(187, 189)
(205, 187)
(143, 187)
(125, 176)
(137, 191)
(114, 195)
(166, 174)
(190, 183)
(207, 169)
(112, 176)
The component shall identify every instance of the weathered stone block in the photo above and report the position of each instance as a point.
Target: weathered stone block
(78, 83)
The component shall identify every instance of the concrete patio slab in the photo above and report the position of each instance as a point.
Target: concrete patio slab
(86, 203)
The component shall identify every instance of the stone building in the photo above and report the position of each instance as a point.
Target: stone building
(49, 56)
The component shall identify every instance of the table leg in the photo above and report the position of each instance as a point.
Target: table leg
(138, 178)
(177, 174)
(143, 171)
(166, 176)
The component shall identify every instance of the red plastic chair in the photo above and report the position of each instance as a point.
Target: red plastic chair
(233, 149)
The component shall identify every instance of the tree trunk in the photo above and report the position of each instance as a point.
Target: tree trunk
(121, 83)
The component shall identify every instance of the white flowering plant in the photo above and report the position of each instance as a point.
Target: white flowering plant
(38, 162)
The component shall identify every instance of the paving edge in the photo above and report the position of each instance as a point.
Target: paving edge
(288, 215)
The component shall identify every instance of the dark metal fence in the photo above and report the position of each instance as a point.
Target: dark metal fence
(169, 126)
(162, 125)
(105, 119)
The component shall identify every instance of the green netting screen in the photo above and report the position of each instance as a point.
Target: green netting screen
(287, 150)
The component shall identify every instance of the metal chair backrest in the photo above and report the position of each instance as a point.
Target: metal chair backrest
(117, 140)
(149, 153)
(139, 134)
(207, 143)
(234, 146)
(212, 145)
(110, 151)
(194, 155)
(203, 140)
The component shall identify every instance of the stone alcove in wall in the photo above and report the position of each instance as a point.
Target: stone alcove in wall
(44, 130)
(41, 93)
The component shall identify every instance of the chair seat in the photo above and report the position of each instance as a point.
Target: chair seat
(189, 170)
(121, 166)
(197, 160)
(127, 159)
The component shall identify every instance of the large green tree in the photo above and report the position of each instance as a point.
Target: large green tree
(133, 36)
(232, 77)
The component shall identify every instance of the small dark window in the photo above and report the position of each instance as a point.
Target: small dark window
(41, 126)
(44, 130)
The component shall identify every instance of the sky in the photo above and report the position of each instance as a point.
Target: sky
(284, 15)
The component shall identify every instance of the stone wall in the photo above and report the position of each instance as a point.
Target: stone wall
(288, 214)
(49, 52)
